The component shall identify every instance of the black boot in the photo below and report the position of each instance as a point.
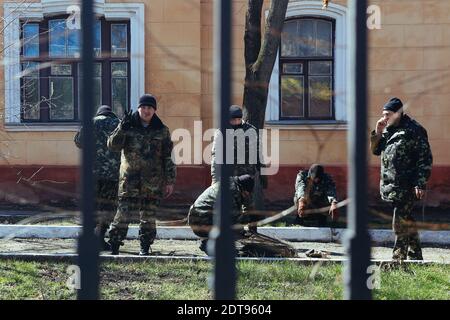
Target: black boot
(100, 230)
(115, 245)
(203, 245)
(115, 241)
(145, 249)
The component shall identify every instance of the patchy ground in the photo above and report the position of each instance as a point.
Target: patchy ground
(190, 248)
(185, 280)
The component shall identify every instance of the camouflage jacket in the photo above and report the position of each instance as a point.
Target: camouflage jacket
(323, 192)
(107, 162)
(406, 159)
(203, 207)
(242, 164)
(146, 163)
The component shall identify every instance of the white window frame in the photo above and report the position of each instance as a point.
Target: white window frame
(339, 14)
(14, 12)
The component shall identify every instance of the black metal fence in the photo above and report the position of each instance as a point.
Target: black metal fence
(358, 242)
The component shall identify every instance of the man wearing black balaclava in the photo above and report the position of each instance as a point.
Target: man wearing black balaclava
(246, 156)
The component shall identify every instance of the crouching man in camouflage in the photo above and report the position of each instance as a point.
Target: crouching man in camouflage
(247, 243)
(147, 172)
(406, 162)
(106, 170)
(315, 189)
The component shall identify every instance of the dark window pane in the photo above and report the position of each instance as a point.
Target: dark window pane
(119, 45)
(31, 40)
(320, 67)
(119, 69)
(30, 91)
(97, 84)
(30, 98)
(292, 104)
(119, 95)
(97, 39)
(30, 69)
(97, 69)
(324, 38)
(57, 34)
(61, 98)
(289, 40)
(61, 70)
(306, 38)
(320, 96)
(292, 68)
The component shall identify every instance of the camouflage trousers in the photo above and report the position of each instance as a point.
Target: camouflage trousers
(106, 203)
(407, 242)
(130, 208)
(202, 222)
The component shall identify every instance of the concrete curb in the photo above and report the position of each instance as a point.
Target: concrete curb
(72, 257)
(185, 233)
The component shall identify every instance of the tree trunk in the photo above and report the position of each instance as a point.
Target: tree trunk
(260, 58)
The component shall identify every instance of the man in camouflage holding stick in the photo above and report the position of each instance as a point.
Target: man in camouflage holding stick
(406, 162)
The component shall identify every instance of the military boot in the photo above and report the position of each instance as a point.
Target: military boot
(145, 249)
(204, 246)
(115, 245)
(400, 250)
(100, 230)
(414, 250)
(115, 241)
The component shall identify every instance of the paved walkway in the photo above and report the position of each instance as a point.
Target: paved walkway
(180, 248)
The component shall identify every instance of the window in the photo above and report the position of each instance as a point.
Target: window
(306, 67)
(51, 65)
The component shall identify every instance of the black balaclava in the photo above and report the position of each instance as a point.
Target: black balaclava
(246, 182)
(236, 112)
(316, 171)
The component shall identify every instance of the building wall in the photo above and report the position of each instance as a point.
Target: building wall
(408, 58)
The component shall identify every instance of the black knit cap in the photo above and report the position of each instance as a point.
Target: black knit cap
(147, 100)
(235, 112)
(394, 105)
(104, 109)
(246, 182)
(316, 171)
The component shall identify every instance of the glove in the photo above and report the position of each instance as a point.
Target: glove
(125, 124)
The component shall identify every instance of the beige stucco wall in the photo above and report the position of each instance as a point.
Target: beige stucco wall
(408, 58)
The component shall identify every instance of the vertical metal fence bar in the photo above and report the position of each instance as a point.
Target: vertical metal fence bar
(357, 237)
(224, 282)
(88, 244)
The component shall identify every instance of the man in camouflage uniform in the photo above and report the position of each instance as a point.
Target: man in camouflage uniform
(106, 170)
(201, 216)
(147, 172)
(248, 162)
(315, 189)
(406, 162)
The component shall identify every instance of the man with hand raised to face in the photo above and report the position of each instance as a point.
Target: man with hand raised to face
(406, 162)
(147, 172)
